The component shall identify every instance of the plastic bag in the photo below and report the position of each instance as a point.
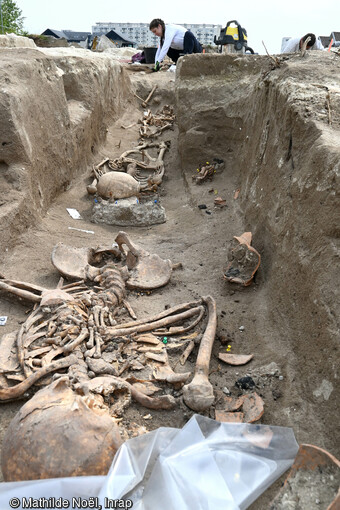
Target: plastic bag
(204, 466)
(138, 58)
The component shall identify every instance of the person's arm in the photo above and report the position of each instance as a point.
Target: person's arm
(157, 53)
(291, 46)
(169, 35)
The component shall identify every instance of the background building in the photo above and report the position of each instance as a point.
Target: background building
(81, 38)
(141, 35)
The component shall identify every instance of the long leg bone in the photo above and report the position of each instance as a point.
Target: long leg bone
(179, 330)
(170, 311)
(21, 293)
(113, 332)
(199, 395)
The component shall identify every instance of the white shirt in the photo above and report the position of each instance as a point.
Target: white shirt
(294, 45)
(174, 35)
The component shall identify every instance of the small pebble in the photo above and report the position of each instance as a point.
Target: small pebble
(241, 328)
(226, 391)
(281, 378)
(317, 501)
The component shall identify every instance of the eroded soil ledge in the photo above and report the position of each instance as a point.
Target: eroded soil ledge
(280, 138)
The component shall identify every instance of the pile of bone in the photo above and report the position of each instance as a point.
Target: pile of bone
(206, 171)
(135, 171)
(74, 327)
(153, 126)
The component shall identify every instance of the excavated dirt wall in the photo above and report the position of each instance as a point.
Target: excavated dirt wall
(54, 111)
(279, 134)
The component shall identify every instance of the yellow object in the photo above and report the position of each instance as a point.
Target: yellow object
(233, 32)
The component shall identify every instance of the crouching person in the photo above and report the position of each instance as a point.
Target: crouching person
(175, 41)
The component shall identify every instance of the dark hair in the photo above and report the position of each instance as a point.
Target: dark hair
(154, 24)
(312, 39)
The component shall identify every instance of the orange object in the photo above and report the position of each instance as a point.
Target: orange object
(224, 416)
(246, 268)
(330, 45)
(231, 404)
(253, 407)
(309, 462)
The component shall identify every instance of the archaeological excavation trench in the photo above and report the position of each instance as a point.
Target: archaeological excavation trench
(270, 135)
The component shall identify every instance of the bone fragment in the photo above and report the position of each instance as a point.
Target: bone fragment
(166, 374)
(161, 357)
(97, 353)
(78, 341)
(99, 366)
(35, 316)
(24, 285)
(165, 313)
(30, 338)
(179, 330)
(149, 338)
(165, 402)
(139, 98)
(20, 292)
(144, 103)
(112, 332)
(158, 348)
(129, 126)
(199, 395)
(46, 360)
(20, 348)
(108, 384)
(129, 309)
(69, 286)
(112, 321)
(96, 310)
(52, 328)
(146, 387)
(90, 342)
(187, 352)
(74, 319)
(102, 314)
(20, 389)
(38, 352)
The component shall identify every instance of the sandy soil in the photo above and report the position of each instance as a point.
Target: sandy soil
(199, 239)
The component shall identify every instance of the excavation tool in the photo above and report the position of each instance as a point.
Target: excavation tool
(233, 39)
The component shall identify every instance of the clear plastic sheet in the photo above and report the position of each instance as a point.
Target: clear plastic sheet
(203, 466)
